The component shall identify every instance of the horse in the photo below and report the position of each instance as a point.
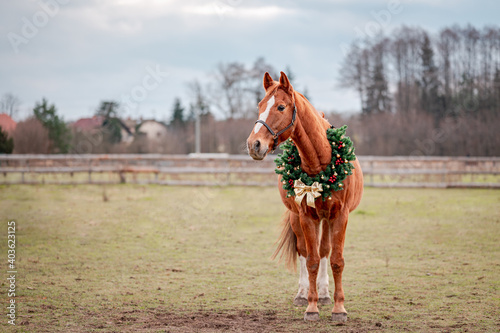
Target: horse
(317, 233)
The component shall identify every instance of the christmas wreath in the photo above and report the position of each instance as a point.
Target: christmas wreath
(288, 166)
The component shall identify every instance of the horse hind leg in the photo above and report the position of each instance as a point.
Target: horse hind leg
(291, 243)
(337, 262)
(324, 253)
(310, 230)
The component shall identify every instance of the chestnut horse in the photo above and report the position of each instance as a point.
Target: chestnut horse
(318, 233)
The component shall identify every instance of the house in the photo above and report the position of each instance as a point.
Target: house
(88, 124)
(97, 122)
(131, 124)
(154, 130)
(7, 123)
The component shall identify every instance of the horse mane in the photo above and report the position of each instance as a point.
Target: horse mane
(320, 114)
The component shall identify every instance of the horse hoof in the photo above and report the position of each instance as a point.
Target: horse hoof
(311, 316)
(300, 301)
(325, 300)
(340, 317)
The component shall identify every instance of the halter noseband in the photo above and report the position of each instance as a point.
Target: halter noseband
(276, 135)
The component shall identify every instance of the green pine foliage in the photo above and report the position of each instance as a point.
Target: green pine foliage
(288, 164)
(177, 114)
(59, 133)
(6, 143)
(111, 126)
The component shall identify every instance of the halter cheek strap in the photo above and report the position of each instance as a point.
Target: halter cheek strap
(276, 135)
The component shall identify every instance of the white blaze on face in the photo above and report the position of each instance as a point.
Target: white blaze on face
(263, 116)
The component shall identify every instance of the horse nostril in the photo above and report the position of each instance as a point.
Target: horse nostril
(256, 145)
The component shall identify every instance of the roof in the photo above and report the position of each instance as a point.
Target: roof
(7, 123)
(87, 124)
(152, 121)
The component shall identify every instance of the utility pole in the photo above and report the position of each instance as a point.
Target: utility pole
(197, 132)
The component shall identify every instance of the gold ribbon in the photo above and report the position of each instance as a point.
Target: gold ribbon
(311, 192)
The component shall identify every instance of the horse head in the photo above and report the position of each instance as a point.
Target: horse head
(277, 113)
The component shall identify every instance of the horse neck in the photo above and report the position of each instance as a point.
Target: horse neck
(310, 138)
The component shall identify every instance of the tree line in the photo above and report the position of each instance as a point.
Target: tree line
(232, 90)
(430, 94)
(420, 93)
(453, 72)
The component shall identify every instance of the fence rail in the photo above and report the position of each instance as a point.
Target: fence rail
(223, 169)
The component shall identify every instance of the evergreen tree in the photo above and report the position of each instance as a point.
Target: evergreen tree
(199, 102)
(430, 100)
(111, 124)
(6, 143)
(496, 90)
(178, 118)
(59, 133)
(108, 109)
(378, 98)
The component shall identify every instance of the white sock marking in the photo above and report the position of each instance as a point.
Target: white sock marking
(263, 116)
(323, 279)
(303, 278)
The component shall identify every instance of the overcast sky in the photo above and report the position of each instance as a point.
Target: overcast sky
(78, 53)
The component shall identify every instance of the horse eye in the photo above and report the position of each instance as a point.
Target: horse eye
(281, 107)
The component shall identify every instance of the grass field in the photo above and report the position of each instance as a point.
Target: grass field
(235, 179)
(130, 258)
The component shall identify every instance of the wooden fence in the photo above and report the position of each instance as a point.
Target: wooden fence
(223, 169)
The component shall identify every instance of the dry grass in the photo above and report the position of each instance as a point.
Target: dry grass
(155, 258)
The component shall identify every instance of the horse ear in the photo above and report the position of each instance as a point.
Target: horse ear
(268, 81)
(285, 83)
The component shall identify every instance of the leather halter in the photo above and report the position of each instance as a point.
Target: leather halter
(276, 135)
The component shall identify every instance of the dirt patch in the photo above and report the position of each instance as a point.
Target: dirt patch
(211, 321)
(159, 320)
(204, 321)
(237, 321)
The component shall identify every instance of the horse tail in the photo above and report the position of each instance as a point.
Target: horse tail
(287, 244)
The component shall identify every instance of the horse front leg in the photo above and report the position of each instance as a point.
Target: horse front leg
(310, 230)
(337, 262)
(324, 253)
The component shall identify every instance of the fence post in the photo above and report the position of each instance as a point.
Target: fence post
(90, 171)
(371, 172)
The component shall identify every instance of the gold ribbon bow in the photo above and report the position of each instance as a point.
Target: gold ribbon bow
(311, 192)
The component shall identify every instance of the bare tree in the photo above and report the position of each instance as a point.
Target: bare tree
(255, 75)
(448, 83)
(229, 89)
(405, 46)
(31, 137)
(365, 69)
(354, 71)
(199, 101)
(9, 104)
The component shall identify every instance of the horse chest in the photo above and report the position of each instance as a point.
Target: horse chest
(324, 209)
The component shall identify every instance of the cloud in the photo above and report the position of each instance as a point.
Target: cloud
(94, 50)
(236, 10)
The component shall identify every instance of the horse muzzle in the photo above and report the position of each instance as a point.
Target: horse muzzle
(257, 150)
